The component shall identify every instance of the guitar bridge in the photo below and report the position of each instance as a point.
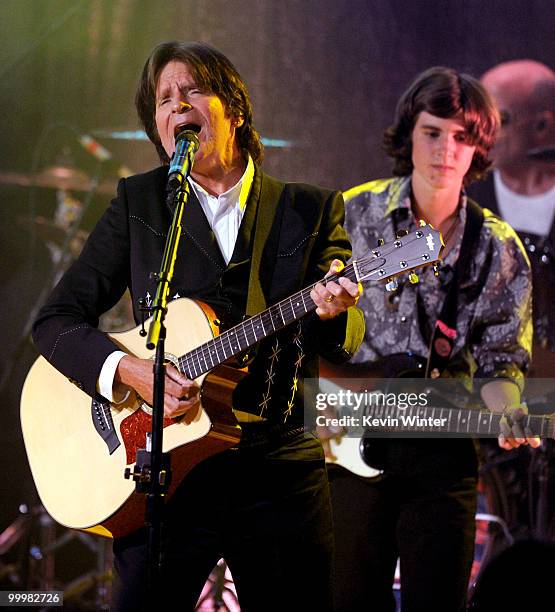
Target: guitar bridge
(104, 425)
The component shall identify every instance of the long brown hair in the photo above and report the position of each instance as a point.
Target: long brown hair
(445, 93)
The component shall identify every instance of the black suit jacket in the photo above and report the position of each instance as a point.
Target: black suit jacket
(541, 252)
(298, 232)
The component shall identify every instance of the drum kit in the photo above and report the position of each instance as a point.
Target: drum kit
(63, 233)
(63, 230)
(35, 553)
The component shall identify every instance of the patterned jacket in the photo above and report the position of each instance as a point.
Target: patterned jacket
(494, 322)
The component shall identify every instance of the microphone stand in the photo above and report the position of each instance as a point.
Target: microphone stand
(152, 473)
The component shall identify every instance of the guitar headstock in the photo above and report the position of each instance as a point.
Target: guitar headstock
(421, 247)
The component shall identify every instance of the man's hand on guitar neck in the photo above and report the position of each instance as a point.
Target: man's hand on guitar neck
(333, 298)
(180, 393)
(502, 395)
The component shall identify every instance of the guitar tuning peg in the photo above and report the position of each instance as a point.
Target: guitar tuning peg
(435, 268)
(402, 232)
(422, 223)
(391, 285)
(381, 242)
(413, 278)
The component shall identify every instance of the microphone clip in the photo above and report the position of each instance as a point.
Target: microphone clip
(145, 308)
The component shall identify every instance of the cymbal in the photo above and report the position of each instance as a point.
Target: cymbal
(140, 135)
(58, 177)
(52, 232)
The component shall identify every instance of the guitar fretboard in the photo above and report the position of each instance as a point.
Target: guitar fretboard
(450, 420)
(239, 338)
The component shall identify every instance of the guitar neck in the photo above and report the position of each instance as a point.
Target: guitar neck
(449, 420)
(419, 248)
(241, 337)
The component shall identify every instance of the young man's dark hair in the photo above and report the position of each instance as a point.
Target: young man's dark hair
(445, 93)
(212, 72)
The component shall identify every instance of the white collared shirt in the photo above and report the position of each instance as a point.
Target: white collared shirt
(524, 213)
(224, 214)
(225, 211)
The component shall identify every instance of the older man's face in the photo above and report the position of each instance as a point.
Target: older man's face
(526, 123)
(516, 135)
(180, 101)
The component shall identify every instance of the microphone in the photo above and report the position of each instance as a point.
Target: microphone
(101, 153)
(186, 145)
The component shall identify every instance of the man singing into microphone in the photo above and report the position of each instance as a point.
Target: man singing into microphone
(263, 506)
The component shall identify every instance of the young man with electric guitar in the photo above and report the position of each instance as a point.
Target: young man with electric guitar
(470, 321)
(249, 241)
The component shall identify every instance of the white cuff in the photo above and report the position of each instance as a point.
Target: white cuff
(105, 382)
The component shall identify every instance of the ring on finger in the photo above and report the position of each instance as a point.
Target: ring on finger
(329, 299)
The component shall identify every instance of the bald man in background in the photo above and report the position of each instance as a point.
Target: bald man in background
(521, 188)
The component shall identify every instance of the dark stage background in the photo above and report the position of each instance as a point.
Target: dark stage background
(323, 74)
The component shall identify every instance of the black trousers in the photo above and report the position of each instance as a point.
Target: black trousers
(265, 509)
(423, 513)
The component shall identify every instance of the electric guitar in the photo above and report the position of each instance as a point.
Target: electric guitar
(354, 452)
(79, 448)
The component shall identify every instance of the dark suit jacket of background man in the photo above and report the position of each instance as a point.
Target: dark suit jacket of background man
(541, 251)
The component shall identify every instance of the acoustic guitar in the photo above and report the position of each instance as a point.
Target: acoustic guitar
(79, 448)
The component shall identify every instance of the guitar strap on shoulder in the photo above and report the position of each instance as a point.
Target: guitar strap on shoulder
(445, 331)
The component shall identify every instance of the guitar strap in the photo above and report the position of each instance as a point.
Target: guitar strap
(445, 331)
